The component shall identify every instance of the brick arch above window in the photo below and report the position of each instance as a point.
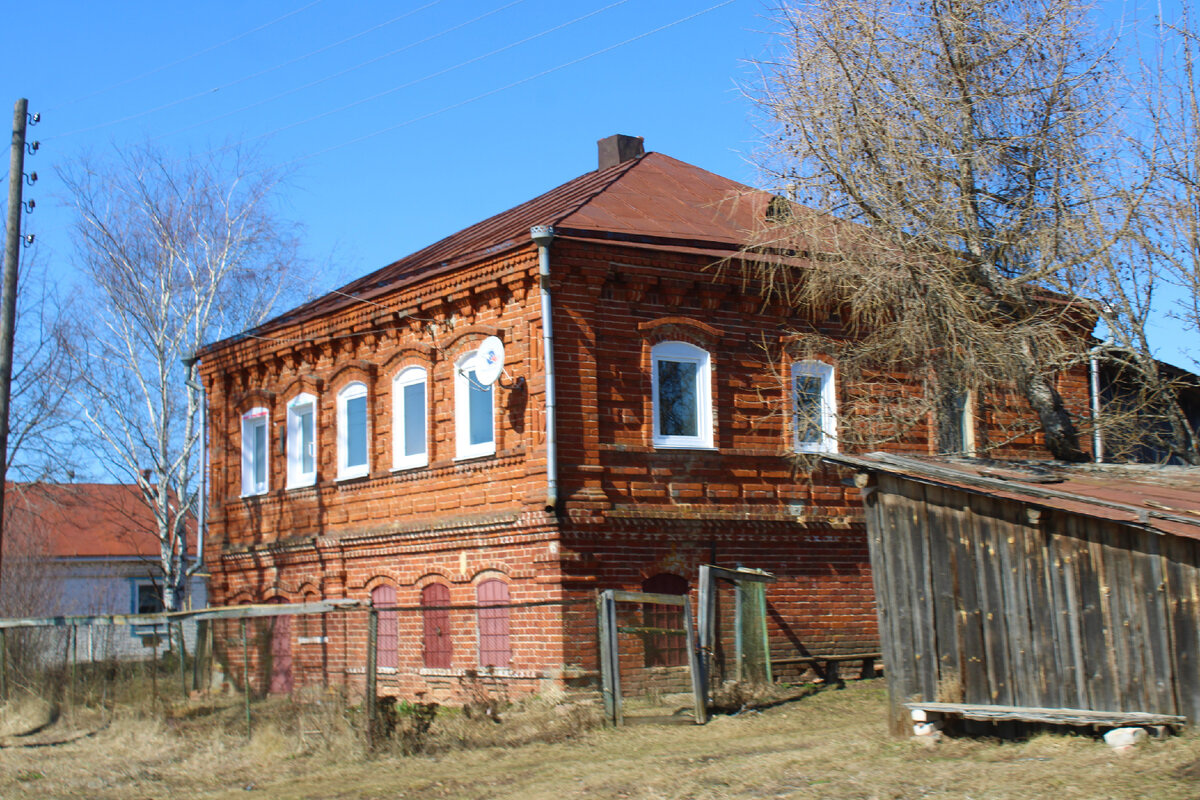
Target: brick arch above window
(492, 571)
(697, 332)
(434, 575)
(244, 401)
(302, 384)
(414, 354)
(453, 343)
(375, 581)
(351, 371)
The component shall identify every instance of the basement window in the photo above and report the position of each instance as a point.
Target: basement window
(681, 388)
(814, 407)
(435, 618)
(409, 419)
(302, 441)
(387, 636)
(495, 649)
(255, 472)
(352, 439)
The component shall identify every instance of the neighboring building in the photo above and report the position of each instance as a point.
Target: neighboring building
(1054, 593)
(355, 453)
(86, 549)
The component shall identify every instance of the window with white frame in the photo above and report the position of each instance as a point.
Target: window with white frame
(352, 434)
(255, 449)
(302, 441)
(474, 414)
(814, 407)
(409, 419)
(681, 385)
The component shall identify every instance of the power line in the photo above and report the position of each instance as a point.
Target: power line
(459, 65)
(506, 87)
(342, 72)
(245, 78)
(177, 62)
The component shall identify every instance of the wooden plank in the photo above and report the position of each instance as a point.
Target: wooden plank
(1149, 585)
(991, 602)
(1069, 621)
(1183, 581)
(1045, 678)
(226, 612)
(943, 593)
(1097, 644)
(648, 597)
(610, 673)
(1123, 616)
(699, 690)
(973, 651)
(1064, 716)
(1008, 531)
(917, 578)
(881, 534)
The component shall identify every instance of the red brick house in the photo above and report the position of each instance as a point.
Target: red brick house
(643, 425)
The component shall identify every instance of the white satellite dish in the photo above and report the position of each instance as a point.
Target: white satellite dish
(489, 361)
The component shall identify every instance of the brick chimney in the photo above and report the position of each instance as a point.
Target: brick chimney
(619, 148)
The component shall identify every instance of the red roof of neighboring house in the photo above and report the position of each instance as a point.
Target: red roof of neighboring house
(80, 520)
(650, 201)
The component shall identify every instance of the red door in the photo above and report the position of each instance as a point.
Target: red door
(281, 653)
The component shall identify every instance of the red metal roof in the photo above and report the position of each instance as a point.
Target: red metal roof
(1165, 499)
(80, 520)
(654, 200)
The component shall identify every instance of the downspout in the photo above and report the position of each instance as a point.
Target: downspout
(1094, 374)
(542, 236)
(202, 501)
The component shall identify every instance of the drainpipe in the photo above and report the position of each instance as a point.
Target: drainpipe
(542, 236)
(1094, 373)
(189, 363)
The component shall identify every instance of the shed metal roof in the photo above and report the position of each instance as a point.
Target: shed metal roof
(1165, 499)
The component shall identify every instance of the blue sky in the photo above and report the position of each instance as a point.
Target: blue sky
(397, 122)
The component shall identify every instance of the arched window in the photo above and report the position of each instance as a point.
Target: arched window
(494, 647)
(302, 441)
(436, 618)
(474, 412)
(387, 639)
(681, 385)
(352, 435)
(665, 649)
(409, 419)
(256, 438)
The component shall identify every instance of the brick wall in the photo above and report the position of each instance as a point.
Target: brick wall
(627, 510)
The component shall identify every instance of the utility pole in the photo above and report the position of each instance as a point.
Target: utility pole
(8, 293)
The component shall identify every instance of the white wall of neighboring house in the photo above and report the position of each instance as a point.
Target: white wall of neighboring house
(108, 586)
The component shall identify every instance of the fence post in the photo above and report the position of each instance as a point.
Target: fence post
(3, 664)
(372, 656)
(182, 663)
(74, 664)
(246, 675)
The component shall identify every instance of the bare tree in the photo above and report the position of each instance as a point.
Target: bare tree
(41, 442)
(176, 254)
(964, 136)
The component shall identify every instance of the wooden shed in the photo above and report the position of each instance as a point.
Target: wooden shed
(1035, 592)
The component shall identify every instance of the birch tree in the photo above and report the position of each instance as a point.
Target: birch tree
(175, 254)
(963, 136)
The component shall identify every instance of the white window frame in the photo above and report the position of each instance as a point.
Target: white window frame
(256, 418)
(409, 376)
(463, 447)
(683, 352)
(296, 474)
(824, 372)
(352, 391)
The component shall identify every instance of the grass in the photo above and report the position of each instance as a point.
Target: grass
(827, 744)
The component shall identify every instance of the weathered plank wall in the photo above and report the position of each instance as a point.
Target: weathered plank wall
(981, 601)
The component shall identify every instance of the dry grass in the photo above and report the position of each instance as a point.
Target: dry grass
(831, 744)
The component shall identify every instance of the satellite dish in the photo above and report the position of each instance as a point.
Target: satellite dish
(489, 361)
